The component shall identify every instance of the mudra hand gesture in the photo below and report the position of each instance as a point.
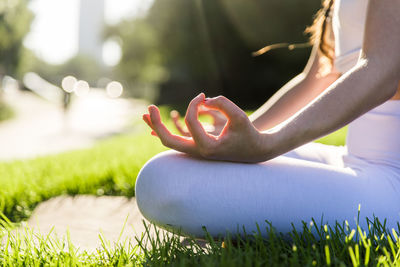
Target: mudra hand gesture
(238, 141)
(215, 128)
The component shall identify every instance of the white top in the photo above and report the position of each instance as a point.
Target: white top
(348, 23)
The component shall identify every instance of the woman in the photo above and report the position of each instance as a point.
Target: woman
(211, 183)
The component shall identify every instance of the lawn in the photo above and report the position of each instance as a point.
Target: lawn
(111, 167)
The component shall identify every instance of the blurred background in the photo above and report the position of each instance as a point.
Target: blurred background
(75, 71)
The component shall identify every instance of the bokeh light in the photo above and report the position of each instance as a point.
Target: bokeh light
(81, 88)
(68, 83)
(114, 89)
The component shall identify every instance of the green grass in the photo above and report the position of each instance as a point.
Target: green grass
(26, 248)
(336, 138)
(313, 245)
(111, 167)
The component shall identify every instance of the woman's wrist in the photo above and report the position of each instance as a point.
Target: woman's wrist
(277, 141)
(268, 145)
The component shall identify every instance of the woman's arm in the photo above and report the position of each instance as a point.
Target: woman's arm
(371, 82)
(294, 95)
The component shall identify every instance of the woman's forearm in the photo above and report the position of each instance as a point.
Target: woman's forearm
(358, 91)
(370, 83)
(293, 96)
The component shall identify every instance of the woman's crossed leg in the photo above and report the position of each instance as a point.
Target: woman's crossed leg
(182, 193)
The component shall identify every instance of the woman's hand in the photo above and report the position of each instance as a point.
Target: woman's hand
(238, 141)
(215, 128)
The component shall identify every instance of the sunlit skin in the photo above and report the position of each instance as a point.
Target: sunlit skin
(238, 133)
(374, 80)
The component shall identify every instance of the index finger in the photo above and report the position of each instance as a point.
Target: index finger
(175, 118)
(179, 143)
(226, 107)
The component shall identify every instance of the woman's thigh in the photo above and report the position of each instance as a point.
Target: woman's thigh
(178, 192)
(327, 154)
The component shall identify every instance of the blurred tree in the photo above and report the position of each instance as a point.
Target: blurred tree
(80, 66)
(15, 20)
(184, 47)
(141, 65)
(166, 49)
(237, 28)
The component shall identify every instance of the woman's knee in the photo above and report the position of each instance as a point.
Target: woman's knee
(159, 192)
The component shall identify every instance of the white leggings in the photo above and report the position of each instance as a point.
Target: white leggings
(178, 192)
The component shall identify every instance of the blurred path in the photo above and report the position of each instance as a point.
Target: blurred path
(86, 217)
(40, 127)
